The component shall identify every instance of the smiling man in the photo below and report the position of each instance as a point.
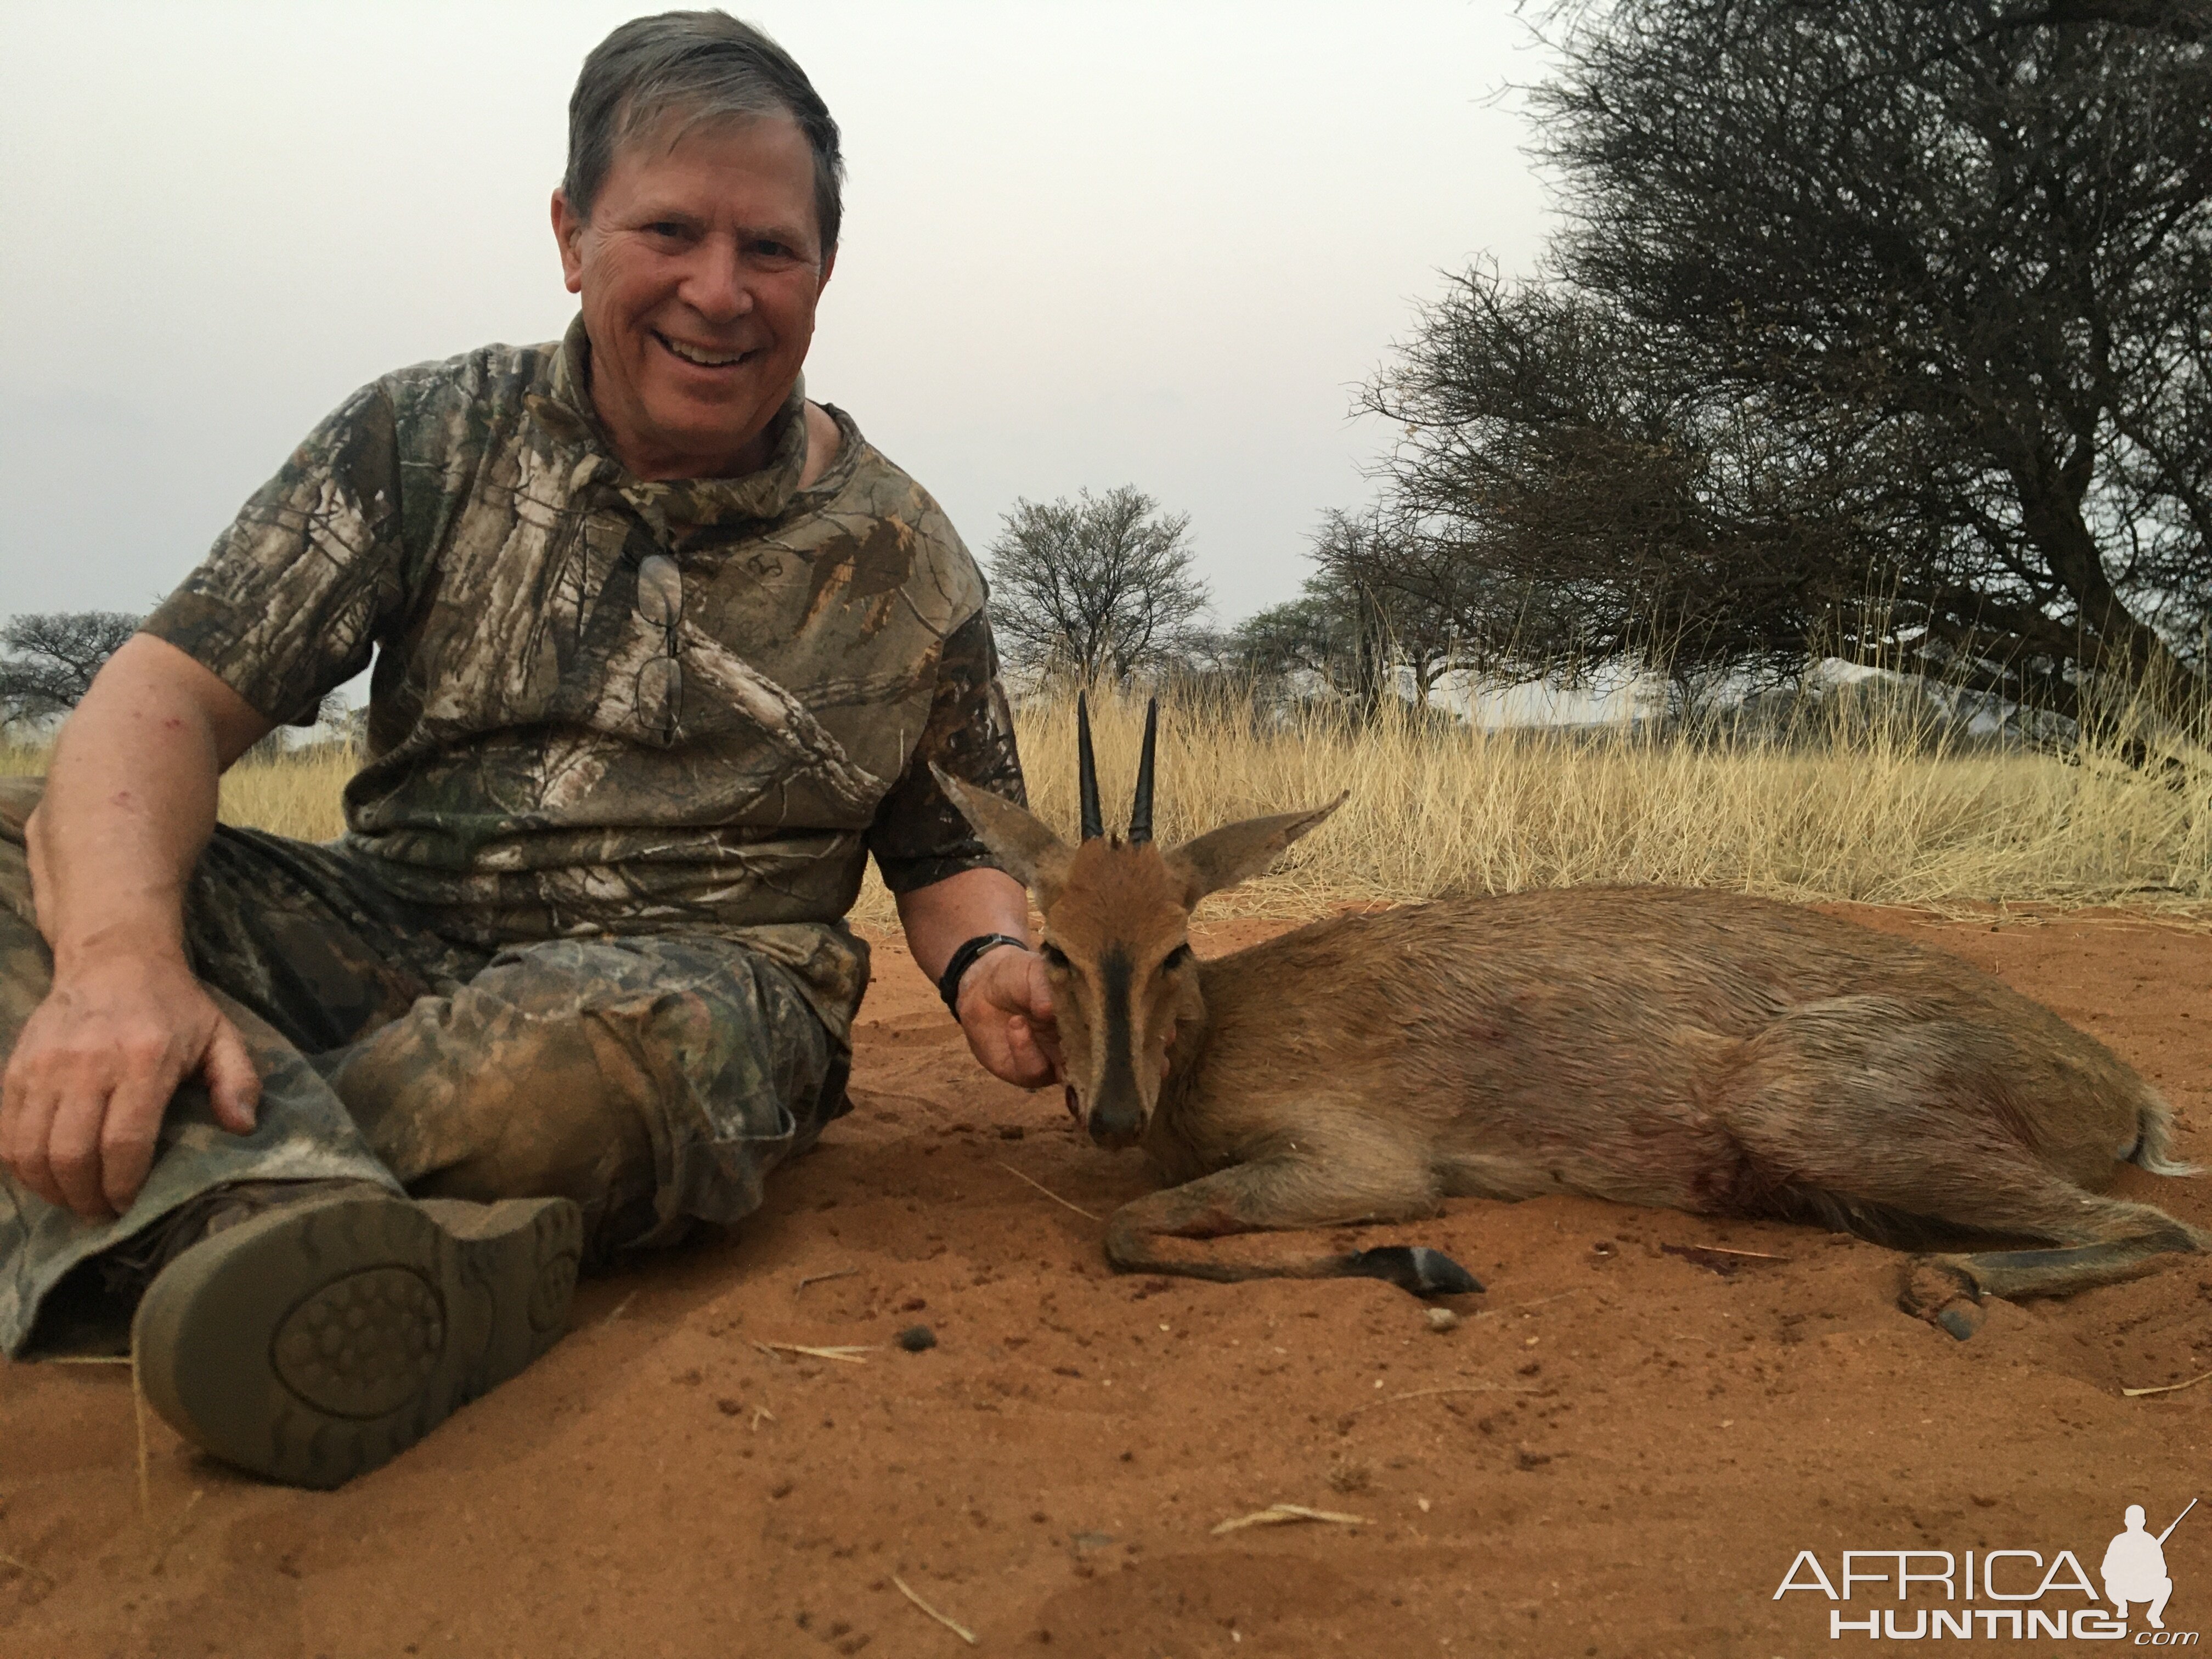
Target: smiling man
(663, 652)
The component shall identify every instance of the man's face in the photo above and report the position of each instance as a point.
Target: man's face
(699, 269)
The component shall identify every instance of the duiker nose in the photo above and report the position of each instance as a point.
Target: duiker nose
(1117, 1122)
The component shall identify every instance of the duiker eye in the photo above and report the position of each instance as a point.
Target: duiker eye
(1175, 959)
(1053, 954)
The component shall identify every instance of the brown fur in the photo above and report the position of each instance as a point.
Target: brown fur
(1702, 1051)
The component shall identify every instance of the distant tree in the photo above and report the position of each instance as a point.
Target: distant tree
(1314, 636)
(343, 726)
(48, 659)
(1414, 595)
(1385, 597)
(1096, 586)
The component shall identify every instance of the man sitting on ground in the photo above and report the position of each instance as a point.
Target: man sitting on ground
(662, 652)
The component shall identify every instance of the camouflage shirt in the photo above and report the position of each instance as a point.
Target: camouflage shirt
(466, 522)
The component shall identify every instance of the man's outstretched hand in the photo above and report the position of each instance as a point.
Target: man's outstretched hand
(1005, 1012)
(92, 1071)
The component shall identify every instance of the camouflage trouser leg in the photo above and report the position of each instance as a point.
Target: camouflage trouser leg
(302, 1132)
(655, 1081)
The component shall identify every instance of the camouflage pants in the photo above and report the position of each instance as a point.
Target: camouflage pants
(655, 1081)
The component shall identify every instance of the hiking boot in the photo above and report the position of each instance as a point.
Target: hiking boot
(319, 1338)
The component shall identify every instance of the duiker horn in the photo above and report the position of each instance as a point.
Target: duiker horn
(1094, 821)
(1140, 810)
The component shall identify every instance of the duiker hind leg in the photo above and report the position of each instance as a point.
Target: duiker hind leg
(1911, 1132)
(2102, 1241)
(1976, 1129)
(1173, 1230)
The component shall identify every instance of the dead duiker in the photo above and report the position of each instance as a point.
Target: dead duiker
(1697, 1050)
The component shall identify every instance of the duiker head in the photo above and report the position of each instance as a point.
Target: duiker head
(1116, 918)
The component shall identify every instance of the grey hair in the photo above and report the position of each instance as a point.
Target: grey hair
(694, 66)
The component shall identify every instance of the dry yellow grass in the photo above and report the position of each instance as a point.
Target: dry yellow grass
(291, 796)
(1873, 810)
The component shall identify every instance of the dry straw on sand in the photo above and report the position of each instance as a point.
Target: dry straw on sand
(1867, 800)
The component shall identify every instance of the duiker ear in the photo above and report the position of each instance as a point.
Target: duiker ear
(1031, 854)
(1237, 852)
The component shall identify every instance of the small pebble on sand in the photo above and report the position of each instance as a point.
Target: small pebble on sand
(915, 1338)
(1441, 1319)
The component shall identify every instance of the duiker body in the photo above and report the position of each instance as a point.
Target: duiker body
(1697, 1050)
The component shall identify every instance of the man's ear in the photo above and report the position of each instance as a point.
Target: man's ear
(1021, 841)
(1237, 852)
(567, 235)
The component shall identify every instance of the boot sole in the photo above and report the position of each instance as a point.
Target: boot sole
(313, 1343)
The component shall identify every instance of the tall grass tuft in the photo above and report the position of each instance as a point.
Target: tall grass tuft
(1867, 796)
(293, 794)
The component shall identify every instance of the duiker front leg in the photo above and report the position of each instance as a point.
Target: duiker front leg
(1169, 1232)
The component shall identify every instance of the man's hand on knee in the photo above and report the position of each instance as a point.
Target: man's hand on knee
(81, 1103)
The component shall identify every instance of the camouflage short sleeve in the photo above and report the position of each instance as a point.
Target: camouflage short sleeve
(286, 604)
(919, 836)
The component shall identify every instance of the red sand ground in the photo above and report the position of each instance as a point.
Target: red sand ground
(1619, 1452)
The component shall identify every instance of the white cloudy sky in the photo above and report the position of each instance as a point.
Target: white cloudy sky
(1085, 244)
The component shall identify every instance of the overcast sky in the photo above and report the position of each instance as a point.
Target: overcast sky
(1085, 244)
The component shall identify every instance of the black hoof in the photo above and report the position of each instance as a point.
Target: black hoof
(1944, 1295)
(1959, 1321)
(1412, 1268)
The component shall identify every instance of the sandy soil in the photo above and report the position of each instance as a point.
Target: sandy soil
(1619, 1451)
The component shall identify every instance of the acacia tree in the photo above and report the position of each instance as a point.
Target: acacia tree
(1403, 594)
(51, 656)
(1384, 597)
(1856, 298)
(1313, 635)
(1095, 586)
(1567, 497)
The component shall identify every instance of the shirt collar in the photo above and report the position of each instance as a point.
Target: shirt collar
(672, 505)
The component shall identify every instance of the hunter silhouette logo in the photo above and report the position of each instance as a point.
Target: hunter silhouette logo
(2134, 1567)
(1915, 1595)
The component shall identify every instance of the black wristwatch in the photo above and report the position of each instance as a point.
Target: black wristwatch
(948, 983)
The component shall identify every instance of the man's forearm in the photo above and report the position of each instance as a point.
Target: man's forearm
(940, 917)
(130, 802)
